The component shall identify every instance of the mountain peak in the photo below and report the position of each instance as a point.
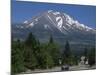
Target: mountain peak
(63, 20)
(60, 20)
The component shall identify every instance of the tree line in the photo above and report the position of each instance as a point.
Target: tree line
(31, 54)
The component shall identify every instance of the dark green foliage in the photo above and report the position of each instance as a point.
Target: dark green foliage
(67, 51)
(51, 39)
(66, 56)
(44, 58)
(48, 54)
(29, 52)
(17, 58)
(37, 55)
(85, 53)
(73, 60)
(92, 57)
(30, 41)
(30, 61)
(54, 50)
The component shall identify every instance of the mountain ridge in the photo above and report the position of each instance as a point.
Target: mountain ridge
(59, 24)
(60, 20)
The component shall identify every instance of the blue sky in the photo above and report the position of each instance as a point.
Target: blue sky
(22, 11)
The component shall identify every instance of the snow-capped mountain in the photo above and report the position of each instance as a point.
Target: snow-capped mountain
(61, 21)
(59, 24)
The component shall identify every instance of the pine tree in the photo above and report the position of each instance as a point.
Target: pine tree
(85, 53)
(29, 52)
(66, 54)
(67, 51)
(53, 50)
(51, 39)
(17, 60)
(92, 57)
(30, 41)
